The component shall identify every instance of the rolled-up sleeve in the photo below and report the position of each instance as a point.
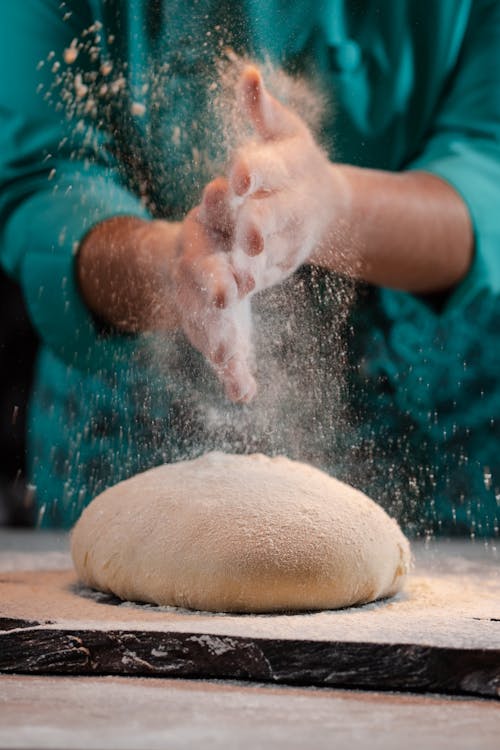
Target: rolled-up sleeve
(54, 186)
(463, 145)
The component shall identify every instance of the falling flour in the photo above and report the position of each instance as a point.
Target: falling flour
(297, 336)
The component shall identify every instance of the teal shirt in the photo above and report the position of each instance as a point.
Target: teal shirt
(414, 86)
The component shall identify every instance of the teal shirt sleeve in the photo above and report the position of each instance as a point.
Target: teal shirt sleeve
(463, 146)
(56, 180)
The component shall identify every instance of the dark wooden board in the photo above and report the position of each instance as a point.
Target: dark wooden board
(295, 662)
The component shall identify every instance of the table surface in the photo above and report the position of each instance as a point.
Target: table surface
(135, 712)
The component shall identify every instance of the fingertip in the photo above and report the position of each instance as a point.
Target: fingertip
(219, 356)
(270, 118)
(220, 299)
(214, 207)
(215, 191)
(252, 88)
(239, 382)
(245, 283)
(239, 392)
(241, 180)
(254, 244)
(225, 294)
(251, 392)
(252, 82)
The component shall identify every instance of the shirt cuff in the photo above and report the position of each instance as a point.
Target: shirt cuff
(474, 174)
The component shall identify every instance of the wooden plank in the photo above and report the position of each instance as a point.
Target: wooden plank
(294, 662)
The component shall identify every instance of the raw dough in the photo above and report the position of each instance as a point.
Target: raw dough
(235, 533)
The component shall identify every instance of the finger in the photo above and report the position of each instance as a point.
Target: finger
(210, 280)
(214, 333)
(229, 351)
(260, 168)
(245, 281)
(215, 211)
(258, 220)
(239, 383)
(256, 170)
(232, 367)
(217, 281)
(283, 257)
(229, 333)
(241, 177)
(250, 238)
(203, 270)
(268, 116)
(234, 372)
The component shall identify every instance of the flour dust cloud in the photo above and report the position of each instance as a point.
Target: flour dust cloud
(163, 137)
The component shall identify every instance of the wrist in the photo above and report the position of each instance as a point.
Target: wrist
(331, 250)
(156, 244)
(123, 269)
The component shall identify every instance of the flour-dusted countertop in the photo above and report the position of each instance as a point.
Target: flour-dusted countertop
(23, 549)
(135, 712)
(131, 713)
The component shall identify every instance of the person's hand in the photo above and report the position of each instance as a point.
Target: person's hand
(160, 276)
(210, 296)
(283, 189)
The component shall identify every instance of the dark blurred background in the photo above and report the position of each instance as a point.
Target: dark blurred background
(18, 346)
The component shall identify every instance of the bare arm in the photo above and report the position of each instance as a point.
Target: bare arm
(409, 230)
(123, 272)
(284, 205)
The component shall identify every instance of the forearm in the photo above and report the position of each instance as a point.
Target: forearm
(408, 230)
(123, 272)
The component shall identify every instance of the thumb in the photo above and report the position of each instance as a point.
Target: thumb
(269, 117)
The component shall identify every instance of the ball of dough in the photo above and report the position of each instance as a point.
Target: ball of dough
(236, 533)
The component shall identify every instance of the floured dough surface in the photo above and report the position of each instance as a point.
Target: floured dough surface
(233, 533)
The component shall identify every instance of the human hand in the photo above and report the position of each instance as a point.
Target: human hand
(210, 298)
(161, 276)
(283, 188)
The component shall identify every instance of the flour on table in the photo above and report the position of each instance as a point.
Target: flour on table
(239, 533)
